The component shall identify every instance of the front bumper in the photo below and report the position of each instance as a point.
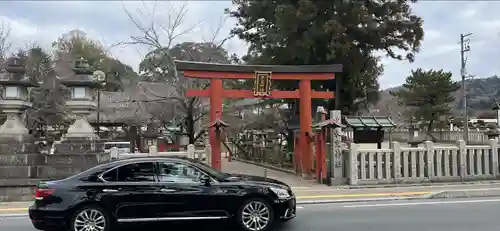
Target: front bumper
(286, 209)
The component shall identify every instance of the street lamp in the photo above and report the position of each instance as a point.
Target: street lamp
(101, 77)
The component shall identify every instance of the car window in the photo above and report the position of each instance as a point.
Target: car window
(211, 171)
(178, 172)
(136, 172)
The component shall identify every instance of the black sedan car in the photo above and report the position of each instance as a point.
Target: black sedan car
(145, 190)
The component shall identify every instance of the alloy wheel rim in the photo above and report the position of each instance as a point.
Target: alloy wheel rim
(255, 216)
(90, 220)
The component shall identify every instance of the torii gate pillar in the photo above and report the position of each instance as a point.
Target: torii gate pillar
(215, 115)
(305, 117)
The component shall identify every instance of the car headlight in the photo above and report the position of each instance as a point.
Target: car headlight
(281, 193)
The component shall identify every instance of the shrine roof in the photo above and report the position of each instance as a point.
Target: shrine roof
(120, 108)
(218, 123)
(328, 123)
(217, 67)
(368, 121)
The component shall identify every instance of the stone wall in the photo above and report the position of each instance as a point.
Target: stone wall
(22, 167)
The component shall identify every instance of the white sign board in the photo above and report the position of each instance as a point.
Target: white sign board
(336, 116)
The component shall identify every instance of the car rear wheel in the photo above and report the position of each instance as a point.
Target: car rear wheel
(256, 215)
(90, 218)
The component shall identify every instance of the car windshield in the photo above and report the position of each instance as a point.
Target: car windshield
(212, 171)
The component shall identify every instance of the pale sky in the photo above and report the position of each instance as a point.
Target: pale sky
(43, 21)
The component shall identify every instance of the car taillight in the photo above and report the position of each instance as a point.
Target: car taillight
(41, 193)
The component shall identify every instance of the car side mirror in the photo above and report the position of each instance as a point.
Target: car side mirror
(204, 179)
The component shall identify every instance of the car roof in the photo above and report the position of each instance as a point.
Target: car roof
(116, 163)
(142, 159)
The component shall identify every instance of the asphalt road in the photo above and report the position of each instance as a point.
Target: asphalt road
(432, 215)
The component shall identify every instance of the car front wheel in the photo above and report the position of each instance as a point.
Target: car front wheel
(256, 215)
(90, 218)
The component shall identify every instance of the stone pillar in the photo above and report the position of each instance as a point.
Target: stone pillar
(152, 150)
(114, 153)
(14, 100)
(336, 146)
(353, 164)
(208, 153)
(81, 101)
(462, 155)
(494, 157)
(191, 151)
(396, 166)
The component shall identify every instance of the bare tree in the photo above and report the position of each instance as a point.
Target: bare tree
(5, 44)
(159, 33)
(154, 34)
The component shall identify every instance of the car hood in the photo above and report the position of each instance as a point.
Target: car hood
(257, 180)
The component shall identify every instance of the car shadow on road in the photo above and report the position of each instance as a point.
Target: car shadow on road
(192, 226)
(181, 226)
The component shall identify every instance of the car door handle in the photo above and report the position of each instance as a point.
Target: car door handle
(167, 190)
(110, 190)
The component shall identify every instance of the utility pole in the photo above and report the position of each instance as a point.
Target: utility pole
(464, 48)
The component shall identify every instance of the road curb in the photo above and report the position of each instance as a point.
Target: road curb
(445, 194)
(308, 202)
(13, 215)
(354, 200)
(489, 192)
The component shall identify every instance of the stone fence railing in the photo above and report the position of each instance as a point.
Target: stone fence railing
(475, 136)
(429, 163)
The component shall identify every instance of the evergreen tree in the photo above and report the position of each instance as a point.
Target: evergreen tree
(428, 95)
(301, 32)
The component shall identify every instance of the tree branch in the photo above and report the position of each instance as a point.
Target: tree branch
(200, 116)
(149, 32)
(5, 45)
(199, 135)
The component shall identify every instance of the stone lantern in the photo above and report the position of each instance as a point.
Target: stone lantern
(82, 100)
(14, 99)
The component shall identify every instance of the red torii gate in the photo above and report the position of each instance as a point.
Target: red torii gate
(263, 74)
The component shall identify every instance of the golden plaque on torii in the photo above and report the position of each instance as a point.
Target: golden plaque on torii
(262, 83)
